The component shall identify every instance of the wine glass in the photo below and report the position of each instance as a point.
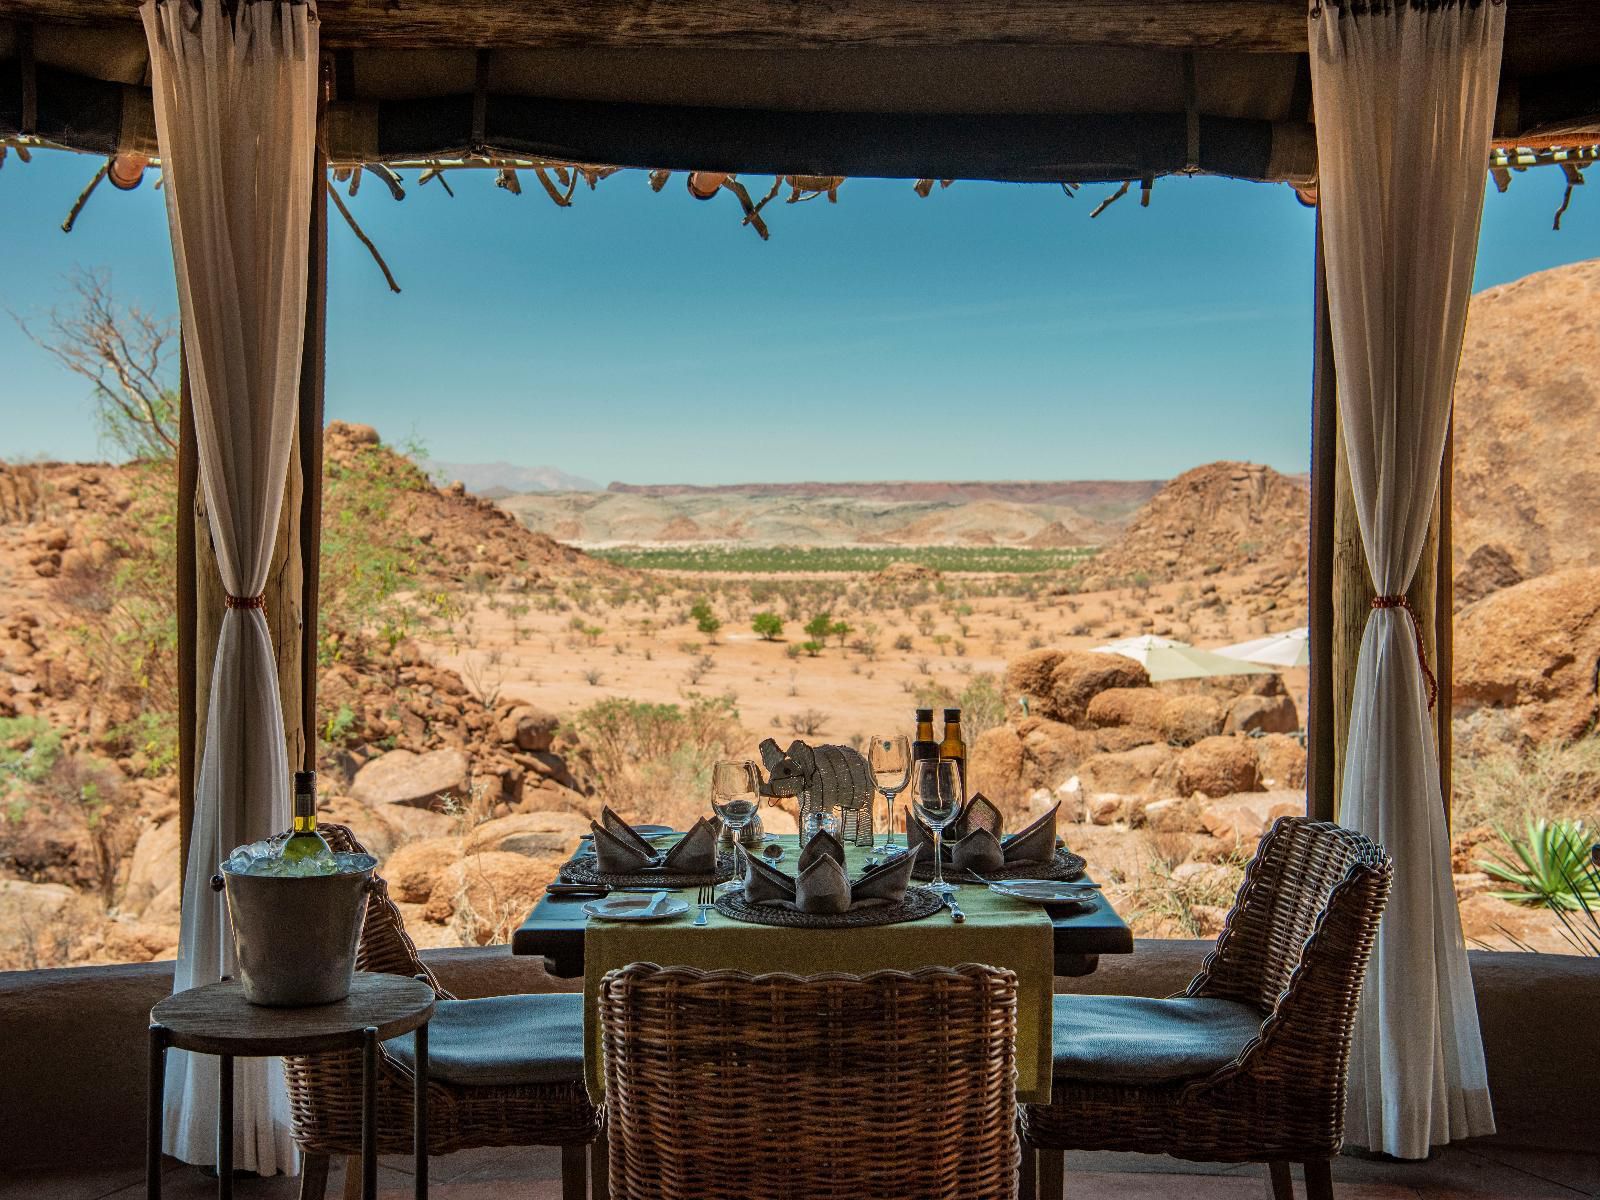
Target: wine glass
(936, 796)
(735, 795)
(890, 761)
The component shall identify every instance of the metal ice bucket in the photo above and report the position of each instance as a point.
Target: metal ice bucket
(295, 936)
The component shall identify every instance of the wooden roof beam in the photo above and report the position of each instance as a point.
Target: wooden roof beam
(1541, 35)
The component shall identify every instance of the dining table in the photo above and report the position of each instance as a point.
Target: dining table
(1036, 941)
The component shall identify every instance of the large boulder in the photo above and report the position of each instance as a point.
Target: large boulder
(994, 763)
(1242, 820)
(40, 923)
(487, 895)
(371, 826)
(1185, 720)
(1028, 675)
(532, 835)
(1144, 769)
(1219, 766)
(528, 728)
(1081, 675)
(1262, 714)
(153, 866)
(1283, 761)
(414, 870)
(1136, 706)
(1175, 814)
(1051, 751)
(433, 780)
(1532, 649)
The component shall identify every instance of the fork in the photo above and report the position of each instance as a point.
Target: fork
(705, 901)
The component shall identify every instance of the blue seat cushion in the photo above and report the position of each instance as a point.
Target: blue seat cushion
(501, 1041)
(1135, 1040)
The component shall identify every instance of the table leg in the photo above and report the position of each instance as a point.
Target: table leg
(419, 1112)
(155, 1114)
(224, 1127)
(369, 1113)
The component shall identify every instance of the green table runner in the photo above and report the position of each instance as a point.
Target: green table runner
(999, 932)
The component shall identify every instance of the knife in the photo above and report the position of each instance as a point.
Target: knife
(956, 915)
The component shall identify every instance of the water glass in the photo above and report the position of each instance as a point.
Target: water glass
(735, 796)
(889, 758)
(936, 796)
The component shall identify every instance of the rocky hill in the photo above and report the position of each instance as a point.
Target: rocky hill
(1527, 431)
(1224, 517)
(1075, 513)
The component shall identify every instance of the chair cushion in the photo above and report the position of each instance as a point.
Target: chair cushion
(502, 1041)
(1135, 1040)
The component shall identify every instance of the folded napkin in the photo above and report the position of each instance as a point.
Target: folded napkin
(821, 885)
(618, 850)
(973, 841)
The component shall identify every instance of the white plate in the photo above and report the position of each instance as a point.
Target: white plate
(1044, 891)
(635, 906)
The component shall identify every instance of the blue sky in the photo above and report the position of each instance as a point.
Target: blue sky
(990, 331)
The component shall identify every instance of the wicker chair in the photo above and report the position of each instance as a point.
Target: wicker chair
(325, 1090)
(1248, 1064)
(726, 1086)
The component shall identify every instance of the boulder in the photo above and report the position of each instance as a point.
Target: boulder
(371, 826)
(1175, 814)
(1147, 769)
(1262, 714)
(414, 870)
(994, 763)
(1185, 720)
(1240, 820)
(1103, 808)
(528, 728)
(153, 866)
(414, 824)
(432, 780)
(41, 922)
(1028, 675)
(1051, 751)
(1121, 706)
(1081, 675)
(529, 834)
(1531, 649)
(424, 933)
(1282, 759)
(1218, 766)
(487, 895)
(1122, 737)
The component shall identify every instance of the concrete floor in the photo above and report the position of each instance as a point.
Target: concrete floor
(1472, 1170)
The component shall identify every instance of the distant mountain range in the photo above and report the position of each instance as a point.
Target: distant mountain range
(499, 479)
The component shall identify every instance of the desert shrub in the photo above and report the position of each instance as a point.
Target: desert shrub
(705, 620)
(653, 761)
(1503, 784)
(768, 624)
(981, 703)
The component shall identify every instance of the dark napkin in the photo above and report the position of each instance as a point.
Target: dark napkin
(974, 842)
(821, 885)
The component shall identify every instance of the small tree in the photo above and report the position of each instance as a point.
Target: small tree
(841, 631)
(706, 621)
(812, 648)
(819, 627)
(769, 625)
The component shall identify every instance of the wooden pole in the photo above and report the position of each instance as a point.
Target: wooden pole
(312, 365)
(1321, 796)
(187, 617)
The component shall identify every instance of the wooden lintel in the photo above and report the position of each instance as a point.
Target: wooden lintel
(1541, 35)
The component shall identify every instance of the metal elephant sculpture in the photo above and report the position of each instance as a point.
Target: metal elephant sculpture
(824, 778)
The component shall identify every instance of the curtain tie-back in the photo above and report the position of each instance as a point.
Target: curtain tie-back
(1422, 654)
(233, 601)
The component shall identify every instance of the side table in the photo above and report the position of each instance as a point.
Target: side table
(217, 1019)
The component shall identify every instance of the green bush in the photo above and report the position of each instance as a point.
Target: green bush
(769, 625)
(1551, 866)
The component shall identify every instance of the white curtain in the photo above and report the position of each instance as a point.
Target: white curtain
(1404, 95)
(235, 106)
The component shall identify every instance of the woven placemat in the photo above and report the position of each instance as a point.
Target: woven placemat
(1065, 865)
(918, 903)
(582, 869)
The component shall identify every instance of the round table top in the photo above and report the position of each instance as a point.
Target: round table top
(217, 1019)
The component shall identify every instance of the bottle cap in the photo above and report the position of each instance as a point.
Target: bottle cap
(305, 781)
(924, 714)
(952, 716)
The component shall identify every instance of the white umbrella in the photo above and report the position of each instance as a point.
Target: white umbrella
(1166, 659)
(1291, 649)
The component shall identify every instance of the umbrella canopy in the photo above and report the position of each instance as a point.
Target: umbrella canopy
(1166, 659)
(1291, 649)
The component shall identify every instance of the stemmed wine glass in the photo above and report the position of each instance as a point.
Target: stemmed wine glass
(890, 761)
(936, 796)
(735, 795)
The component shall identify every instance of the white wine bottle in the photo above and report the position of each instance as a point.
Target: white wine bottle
(304, 841)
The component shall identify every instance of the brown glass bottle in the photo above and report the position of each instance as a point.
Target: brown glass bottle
(954, 746)
(924, 747)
